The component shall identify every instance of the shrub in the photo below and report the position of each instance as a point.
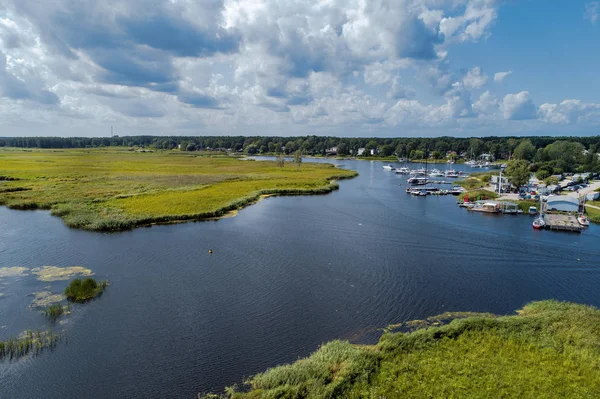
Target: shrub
(82, 291)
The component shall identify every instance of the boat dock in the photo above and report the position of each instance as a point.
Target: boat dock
(562, 222)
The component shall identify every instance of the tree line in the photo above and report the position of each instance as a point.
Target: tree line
(530, 148)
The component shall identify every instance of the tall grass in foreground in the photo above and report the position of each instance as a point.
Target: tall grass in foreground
(549, 350)
(29, 342)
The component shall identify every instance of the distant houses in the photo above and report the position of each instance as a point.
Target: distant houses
(360, 151)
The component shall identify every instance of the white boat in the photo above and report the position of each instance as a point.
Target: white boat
(403, 171)
(417, 180)
(436, 173)
(583, 220)
(532, 210)
(451, 173)
(471, 163)
(388, 167)
(450, 161)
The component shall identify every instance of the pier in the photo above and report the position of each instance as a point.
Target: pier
(562, 223)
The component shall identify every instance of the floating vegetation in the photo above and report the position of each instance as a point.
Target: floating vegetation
(26, 343)
(53, 312)
(45, 298)
(82, 291)
(15, 271)
(53, 273)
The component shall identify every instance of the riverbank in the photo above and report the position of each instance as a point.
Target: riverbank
(119, 189)
(549, 349)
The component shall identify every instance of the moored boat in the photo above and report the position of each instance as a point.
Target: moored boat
(389, 167)
(403, 171)
(583, 220)
(539, 223)
(532, 210)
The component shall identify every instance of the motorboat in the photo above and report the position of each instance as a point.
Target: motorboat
(417, 181)
(456, 190)
(389, 167)
(450, 161)
(471, 163)
(423, 193)
(452, 174)
(583, 220)
(532, 210)
(539, 223)
(403, 171)
(436, 173)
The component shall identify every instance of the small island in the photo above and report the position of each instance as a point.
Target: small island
(86, 290)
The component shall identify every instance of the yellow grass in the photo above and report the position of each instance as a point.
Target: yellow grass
(117, 189)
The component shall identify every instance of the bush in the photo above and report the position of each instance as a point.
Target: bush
(82, 291)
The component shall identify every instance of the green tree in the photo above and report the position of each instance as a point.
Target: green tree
(517, 172)
(525, 150)
(387, 150)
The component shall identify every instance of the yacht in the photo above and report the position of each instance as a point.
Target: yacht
(436, 173)
(417, 180)
(388, 167)
(452, 173)
(403, 171)
(471, 163)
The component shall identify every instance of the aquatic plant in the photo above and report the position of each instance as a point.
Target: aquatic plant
(82, 291)
(549, 349)
(26, 343)
(54, 311)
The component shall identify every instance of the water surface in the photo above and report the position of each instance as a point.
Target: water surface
(286, 275)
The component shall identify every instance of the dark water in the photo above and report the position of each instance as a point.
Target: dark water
(287, 274)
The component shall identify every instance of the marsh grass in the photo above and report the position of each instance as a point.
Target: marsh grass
(28, 342)
(54, 311)
(549, 349)
(117, 190)
(477, 195)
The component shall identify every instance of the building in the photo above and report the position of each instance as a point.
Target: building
(360, 151)
(331, 151)
(504, 185)
(563, 203)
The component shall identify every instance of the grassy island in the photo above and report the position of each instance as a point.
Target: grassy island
(117, 189)
(82, 291)
(549, 349)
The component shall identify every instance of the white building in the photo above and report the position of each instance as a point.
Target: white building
(503, 184)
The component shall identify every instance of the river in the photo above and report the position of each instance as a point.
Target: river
(286, 275)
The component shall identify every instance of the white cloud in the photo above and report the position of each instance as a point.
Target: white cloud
(486, 105)
(570, 111)
(592, 11)
(518, 106)
(228, 66)
(500, 76)
(475, 79)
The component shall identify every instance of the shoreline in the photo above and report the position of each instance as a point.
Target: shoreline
(230, 210)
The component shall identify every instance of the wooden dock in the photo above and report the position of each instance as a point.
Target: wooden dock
(562, 223)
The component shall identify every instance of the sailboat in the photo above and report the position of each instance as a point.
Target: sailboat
(539, 223)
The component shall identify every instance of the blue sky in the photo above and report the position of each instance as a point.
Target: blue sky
(296, 67)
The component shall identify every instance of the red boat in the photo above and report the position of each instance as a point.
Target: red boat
(539, 223)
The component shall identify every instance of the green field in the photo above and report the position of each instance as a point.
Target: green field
(549, 349)
(119, 189)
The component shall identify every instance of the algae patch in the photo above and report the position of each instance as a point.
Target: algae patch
(45, 298)
(53, 273)
(14, 271)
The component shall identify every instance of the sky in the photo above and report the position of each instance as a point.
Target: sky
(368, 68)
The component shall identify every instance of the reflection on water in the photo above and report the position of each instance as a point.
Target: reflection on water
(286, 274)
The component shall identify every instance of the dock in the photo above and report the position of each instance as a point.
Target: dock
(562, 223)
